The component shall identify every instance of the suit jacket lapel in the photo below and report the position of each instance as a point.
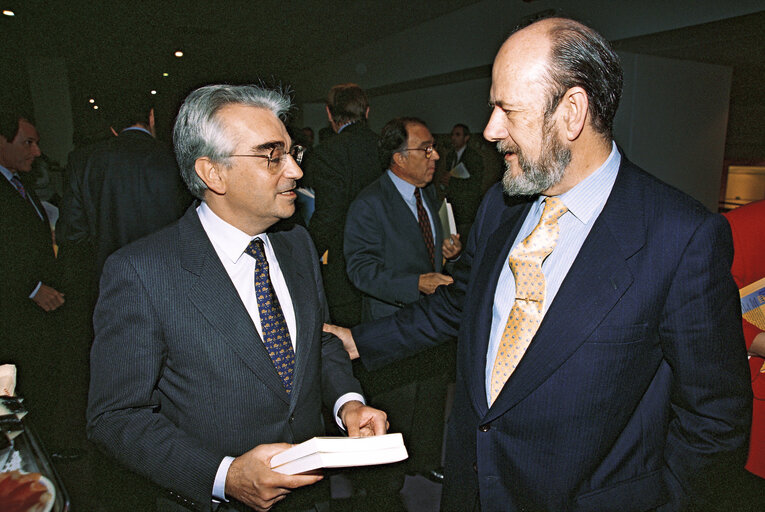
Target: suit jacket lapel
(597, 279)
(299, 284)
(215, 296)
(407, 222)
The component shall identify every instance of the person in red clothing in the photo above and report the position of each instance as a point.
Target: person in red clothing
(748, 226)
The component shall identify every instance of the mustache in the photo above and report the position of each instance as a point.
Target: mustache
(507, 147)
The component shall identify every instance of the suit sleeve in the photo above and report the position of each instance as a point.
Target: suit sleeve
(126, 362)
(702, 341)
(330, 190)
(364, 248)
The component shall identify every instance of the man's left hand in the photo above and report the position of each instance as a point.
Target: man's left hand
(363, 421)
(451, 247)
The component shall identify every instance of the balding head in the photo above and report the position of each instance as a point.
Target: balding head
(555, 89)
(563, 53)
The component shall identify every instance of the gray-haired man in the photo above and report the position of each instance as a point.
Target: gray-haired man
(191, 386)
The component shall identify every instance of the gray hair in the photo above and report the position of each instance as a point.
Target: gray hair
(199, 133)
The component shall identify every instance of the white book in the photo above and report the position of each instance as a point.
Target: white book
(446, 216)
(340, 452)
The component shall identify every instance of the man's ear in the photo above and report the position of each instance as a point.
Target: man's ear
(574, 107)
(152, 125)
(210, 172)
(398, 159)
(366, 114)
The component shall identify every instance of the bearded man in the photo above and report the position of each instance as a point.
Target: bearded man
(601, 363)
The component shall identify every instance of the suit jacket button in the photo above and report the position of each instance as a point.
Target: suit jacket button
(484, 428)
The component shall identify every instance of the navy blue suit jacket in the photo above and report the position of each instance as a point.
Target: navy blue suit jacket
(634, 390)
(384, 250)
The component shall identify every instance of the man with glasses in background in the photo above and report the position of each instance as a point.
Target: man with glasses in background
(209, 355)
(394, 250)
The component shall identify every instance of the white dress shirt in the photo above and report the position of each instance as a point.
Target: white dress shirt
(230, 243)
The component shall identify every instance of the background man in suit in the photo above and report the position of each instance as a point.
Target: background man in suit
(30, 293)
(125, 188)
(615, 376)
(339, 168)
(463, 193)
(389, 256)
(117, 191)
(198, 377)
(394, 249)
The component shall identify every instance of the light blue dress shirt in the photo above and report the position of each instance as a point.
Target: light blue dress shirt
(584, 202)
(406, 190)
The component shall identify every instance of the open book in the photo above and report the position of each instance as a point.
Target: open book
(340, 452)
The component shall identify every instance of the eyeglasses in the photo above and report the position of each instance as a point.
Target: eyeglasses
(277, 157)
(428, 151)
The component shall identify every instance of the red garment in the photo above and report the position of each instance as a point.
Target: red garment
(748, 226)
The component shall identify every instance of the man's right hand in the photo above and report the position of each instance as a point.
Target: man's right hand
(48, 298)
(251, 480)
(429, 282)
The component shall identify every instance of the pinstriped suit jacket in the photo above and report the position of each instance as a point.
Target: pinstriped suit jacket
(179, 375)
(634, 393)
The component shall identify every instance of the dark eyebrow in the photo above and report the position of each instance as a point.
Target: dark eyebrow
(267, 146)
(427, 143)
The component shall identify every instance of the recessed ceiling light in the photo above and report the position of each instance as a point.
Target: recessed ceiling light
(165, 74)
(8, 12)
(95, 107)
(179, 53)
(153, 91)
(91, 100)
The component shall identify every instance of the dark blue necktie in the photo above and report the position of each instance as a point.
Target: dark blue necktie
(276, 336)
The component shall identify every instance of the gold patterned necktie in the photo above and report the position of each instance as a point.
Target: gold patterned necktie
(526, 314)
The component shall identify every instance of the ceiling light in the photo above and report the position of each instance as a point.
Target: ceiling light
(91, 100)
(95, 107)
(153, 91)
(165, 74)
(179, 53)
(8, 12)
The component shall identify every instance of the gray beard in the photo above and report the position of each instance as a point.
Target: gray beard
(538, 176)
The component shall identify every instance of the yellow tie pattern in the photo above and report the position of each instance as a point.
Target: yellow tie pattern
(526, 314)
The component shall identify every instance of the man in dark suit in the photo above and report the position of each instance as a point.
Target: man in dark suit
(339, 169)
(463, 192)
(394, 249)
(389, 257)
(122, 189)
(615, 377)
(198, 377)
(30, 293)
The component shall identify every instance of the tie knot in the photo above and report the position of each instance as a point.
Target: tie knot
(554, 208)
(256, 250)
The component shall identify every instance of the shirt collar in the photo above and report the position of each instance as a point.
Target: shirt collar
(460, 151)
(230, 241)
(137, 128)
(7, 173)
(404, 188)
(588, 196)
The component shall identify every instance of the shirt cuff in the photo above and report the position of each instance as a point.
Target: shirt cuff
(34, 292)
(341, 402)
(219, 486)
